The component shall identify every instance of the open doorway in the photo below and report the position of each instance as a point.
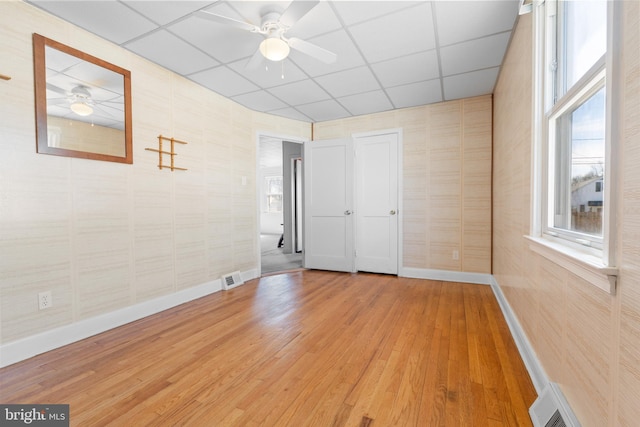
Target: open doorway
(280, 204)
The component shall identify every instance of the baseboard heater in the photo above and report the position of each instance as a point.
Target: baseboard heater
(231, 280)
(552, 410)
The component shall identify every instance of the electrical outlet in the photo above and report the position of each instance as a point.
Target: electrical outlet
(45, 300)
(456, 255)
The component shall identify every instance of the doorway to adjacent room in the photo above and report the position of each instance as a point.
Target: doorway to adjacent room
(280, 204)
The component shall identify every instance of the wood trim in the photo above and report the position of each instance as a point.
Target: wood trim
(40, 88)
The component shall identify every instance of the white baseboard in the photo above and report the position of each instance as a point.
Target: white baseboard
(531, 361)
(249, 274)
(25, 348)
(445, 275)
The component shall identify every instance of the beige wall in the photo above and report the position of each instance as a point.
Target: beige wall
(587, 340)
(103, 236)
(446, 180)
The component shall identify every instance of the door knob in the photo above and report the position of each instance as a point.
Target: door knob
(392, 212)
(347, 212)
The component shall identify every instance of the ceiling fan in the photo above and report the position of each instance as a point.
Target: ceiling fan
(274, 26)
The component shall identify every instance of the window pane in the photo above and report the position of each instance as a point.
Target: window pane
(274, 203)
(585, 32)
(585, 159)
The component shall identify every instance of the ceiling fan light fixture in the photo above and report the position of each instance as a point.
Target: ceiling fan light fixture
(274, 48)
(81, 108)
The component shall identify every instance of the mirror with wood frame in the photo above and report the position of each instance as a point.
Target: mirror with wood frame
(83, 104)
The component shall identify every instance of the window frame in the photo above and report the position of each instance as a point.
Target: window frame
(564, 246)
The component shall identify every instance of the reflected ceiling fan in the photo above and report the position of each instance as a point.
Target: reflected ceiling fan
(274, 26)
(79, 100)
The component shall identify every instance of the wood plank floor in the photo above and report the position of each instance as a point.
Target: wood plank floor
(306, 348)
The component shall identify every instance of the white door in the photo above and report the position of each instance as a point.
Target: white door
(377, 203)
(328, 195)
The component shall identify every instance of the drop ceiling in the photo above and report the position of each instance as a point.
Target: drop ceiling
(390, 54)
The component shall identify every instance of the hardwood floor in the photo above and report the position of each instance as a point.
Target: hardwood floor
(307, 348)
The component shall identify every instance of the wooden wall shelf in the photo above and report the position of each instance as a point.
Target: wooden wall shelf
(172, 153)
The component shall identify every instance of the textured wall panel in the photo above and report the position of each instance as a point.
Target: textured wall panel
(103, 236)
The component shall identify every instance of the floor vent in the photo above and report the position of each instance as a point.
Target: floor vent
(556, 420)
(231, 280)
(552, 410)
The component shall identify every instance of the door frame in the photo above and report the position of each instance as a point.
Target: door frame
(258, 184)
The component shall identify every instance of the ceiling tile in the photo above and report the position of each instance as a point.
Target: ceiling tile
(414, 94)
(259, 101)
(223, 42)
(162, 12)
(474, 55)
(298, 93)
(224, 81)
(352, 12)
(470, 84)
(337, 42)
(465, 20)
(366, 103)
(386, 50)
(171, 52)
(270, 152)
(108, 19)
(408, 69)
(349, 82)
(269, 74)
(324, 110)
(397, 34)
(291, 113)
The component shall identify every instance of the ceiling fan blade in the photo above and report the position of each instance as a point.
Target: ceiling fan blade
(58, 101)
(255, 60)
(313, 50)
(228, 21)
(296, 10)
(56, 89)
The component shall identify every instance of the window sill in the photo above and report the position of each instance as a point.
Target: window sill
(584, 265)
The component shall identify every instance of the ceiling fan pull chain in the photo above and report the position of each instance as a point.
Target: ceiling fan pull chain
(282, 70)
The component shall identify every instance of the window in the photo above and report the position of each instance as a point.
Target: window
(574, 120)
(274, 193)
(577, 93)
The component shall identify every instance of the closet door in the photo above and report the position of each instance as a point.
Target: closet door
(377, 203)
(328, 193)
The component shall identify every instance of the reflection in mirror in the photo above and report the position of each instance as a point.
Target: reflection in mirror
(83, 104)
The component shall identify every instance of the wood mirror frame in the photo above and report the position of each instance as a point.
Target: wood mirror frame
(89, 80)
